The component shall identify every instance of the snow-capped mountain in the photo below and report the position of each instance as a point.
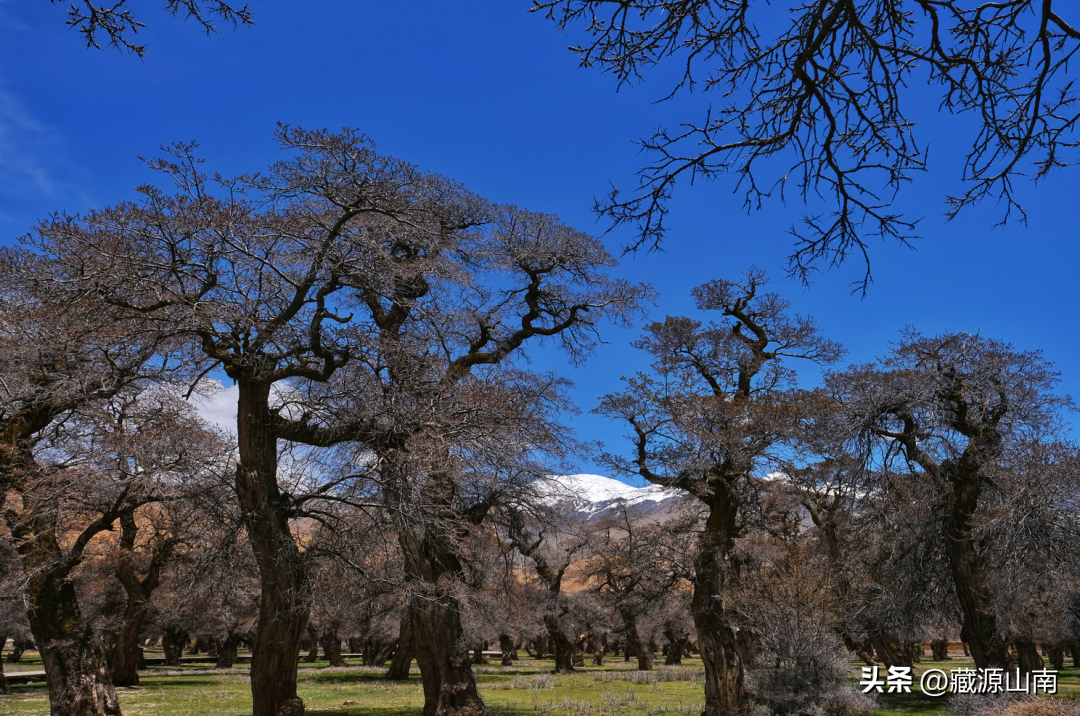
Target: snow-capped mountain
(593, 495)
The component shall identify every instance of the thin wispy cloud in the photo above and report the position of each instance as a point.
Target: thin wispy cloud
(33, 165)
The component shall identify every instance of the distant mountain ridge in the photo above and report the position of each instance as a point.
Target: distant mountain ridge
(593, 496)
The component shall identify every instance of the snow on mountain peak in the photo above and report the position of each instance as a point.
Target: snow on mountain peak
(593, 494)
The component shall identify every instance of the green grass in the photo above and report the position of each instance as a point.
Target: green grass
(526, 689)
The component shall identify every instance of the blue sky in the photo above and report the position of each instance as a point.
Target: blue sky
(488, 94)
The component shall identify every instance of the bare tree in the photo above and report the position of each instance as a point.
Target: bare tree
(71, 371)
(352, 298)
(710, 420)
(945, 410)
(116, 25)
(632, 568)
(820, 95)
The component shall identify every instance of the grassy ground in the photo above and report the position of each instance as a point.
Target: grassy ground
(526, 689)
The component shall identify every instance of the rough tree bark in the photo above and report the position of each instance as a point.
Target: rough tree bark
(438, 639)
(331, 643)
(506, 646)
(677, 639)
(1027, 656)
(226, 653)
(724, 691)
(312, 642)
(403, 653)
(633, 640)
(987, 647)
(74, 661)
(173, 643)
(124, 657)
(285, 602)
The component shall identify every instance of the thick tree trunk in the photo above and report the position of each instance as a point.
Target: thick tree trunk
(285, 601)
(331, 644)
(561, 645)
(939, 649)
(633, 640)
(506, 646)
(438, 640)
(980, 625)
(724, 691)
(888, 652)
(124, 655)
(1056, 655)
(403, 654)
(1027, 657)
(73, 658)
(313, 644)
(677, 639)
(226, 653)
(173, 643)
(443, 656)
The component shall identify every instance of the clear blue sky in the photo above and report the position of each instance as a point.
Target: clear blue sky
(486, 93)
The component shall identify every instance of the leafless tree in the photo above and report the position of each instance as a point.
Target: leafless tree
(71, 463)
(632, 567)
(352, 298)
(820, 95)
(115, 25)
(710, 420)
(946, 410)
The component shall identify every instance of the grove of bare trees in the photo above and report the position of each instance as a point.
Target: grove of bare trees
(390, 492)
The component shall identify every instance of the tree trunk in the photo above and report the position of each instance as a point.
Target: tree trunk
(313, 644)
(506, 646)
(126, 654)
(18, 647)
(331, 644)
(633, 640)
(173, 643)
(3, 679)
(285, 601)
(403, 654)
(1056, 654)
(443, 656)
(438, 639)
(561, 645)
(1027, 657)
(226, 653)
(888, 653)
(939, 649)
(73, 658)
(677, 639)
(980, 625)
(724, 692)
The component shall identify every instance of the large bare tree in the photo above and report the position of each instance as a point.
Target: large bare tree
(85, 443)
(351, 298)
(947, 410)
(818, 96)
(710, 419)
